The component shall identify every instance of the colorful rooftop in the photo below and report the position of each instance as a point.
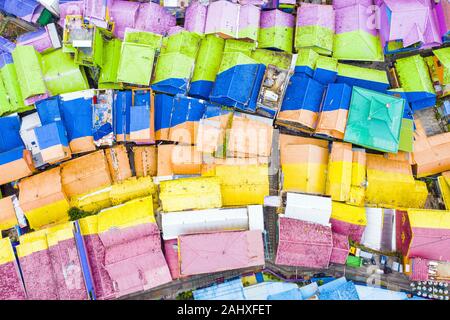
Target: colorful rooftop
(148, 147)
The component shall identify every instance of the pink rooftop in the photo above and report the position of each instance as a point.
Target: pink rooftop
(195, 17)
(11, 287)
(149, 17)
(340, 248)
(171, 255)
(355, 18)
(315, 15)
(443, 16)
(347, 3)
(352, 231)
(419, 269)
(304, 244)
(276, 18)
(411, 21)
(214, 252)
(125, 261)
(72, 8)
(54, 273)
(430, 244)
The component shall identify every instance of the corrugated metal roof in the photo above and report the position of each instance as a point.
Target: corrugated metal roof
(230, 290)
(262, 291)
(372, 293)
(308, 208)
(179, 223)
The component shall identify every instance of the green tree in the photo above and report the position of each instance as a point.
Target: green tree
(186, 295)
(76, 214)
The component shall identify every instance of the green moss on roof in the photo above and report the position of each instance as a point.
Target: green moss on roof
(350, 71)
(327, 63)
(147, 38)
(307, 57)
(245, 47)
(183, 42)
(280, 59)
(413, 74)
(357, 45)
